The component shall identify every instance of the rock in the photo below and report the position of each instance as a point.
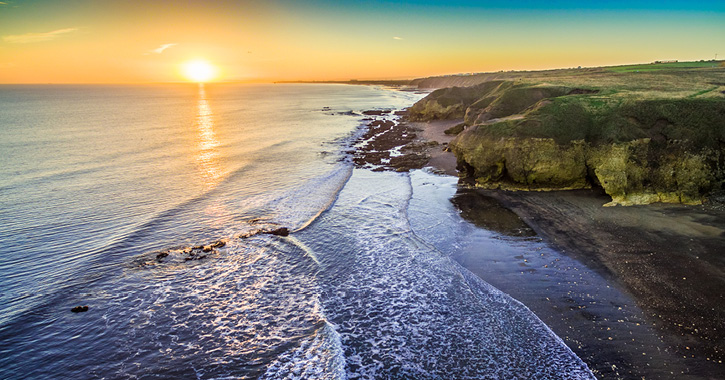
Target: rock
(79, 309)
(282, 231)
(161, 255)
(376, 112)
(348, 113)
(218, 244)
(626, 172)
(522, 164)
(632, 173)
(456, 129)
(207, 249)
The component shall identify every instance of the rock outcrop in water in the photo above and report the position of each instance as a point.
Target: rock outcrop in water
(639, 147)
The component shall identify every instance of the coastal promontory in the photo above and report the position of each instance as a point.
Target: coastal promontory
(645, 133)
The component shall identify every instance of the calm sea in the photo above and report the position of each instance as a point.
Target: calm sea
(106, 190)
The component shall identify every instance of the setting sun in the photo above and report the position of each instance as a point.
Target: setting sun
(199, 71)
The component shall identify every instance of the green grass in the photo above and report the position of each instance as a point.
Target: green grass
(665, 66)
(670, 102)
(703, 92)
(569, 118)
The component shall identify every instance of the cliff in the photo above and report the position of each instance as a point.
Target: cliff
(658, 137)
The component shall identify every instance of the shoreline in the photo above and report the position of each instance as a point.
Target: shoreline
(663, 257)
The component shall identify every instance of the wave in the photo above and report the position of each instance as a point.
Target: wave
(318, 357)
(405, 310)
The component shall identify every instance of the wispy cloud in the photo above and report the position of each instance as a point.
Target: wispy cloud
(37, 37)
(397, 38)
(160, 49)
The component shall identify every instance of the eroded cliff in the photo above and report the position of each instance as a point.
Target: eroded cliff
(640, 146)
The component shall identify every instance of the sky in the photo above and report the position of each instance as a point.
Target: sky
(134, 41)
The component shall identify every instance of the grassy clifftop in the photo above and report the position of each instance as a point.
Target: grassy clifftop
(643, 136)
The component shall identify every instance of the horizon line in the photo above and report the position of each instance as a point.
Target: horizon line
(339, 80)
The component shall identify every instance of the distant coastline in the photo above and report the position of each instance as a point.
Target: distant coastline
(471, 79)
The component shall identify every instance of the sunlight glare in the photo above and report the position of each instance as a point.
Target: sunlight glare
(199, 71)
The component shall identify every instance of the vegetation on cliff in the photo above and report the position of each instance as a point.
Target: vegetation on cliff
(655, 136)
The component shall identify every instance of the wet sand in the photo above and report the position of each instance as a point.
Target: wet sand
(441, 159)
(669, 258)
(636, 292)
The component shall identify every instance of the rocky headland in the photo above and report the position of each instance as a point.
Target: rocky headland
(633, 136)
(642, 137)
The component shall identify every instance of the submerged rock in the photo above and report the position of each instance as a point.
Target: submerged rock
(161, 255)
(79, 309)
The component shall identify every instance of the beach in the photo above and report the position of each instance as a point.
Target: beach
(641, 293)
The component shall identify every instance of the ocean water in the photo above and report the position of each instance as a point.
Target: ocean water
(106, 190)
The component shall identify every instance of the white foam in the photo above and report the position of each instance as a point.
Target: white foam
(299, 207)
(320, 357)
(405, 310)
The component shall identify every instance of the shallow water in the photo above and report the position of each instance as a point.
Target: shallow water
(104, 191)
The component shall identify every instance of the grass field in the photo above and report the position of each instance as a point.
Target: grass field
(665, 66)
(600, 105)
(676, 79)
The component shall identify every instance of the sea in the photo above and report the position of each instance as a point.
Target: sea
(221, 231)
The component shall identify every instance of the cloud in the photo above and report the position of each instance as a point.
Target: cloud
(37, 37)
(397, 38)
(160, 49)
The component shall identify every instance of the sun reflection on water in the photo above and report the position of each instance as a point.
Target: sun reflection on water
(208, 147)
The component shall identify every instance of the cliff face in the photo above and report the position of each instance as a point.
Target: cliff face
(639, 149)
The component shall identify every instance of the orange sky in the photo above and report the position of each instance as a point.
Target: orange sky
(81, 41)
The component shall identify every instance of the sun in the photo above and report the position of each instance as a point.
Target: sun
(199, 71)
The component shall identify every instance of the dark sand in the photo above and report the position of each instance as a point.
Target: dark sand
(637, 292)
(669, 258)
